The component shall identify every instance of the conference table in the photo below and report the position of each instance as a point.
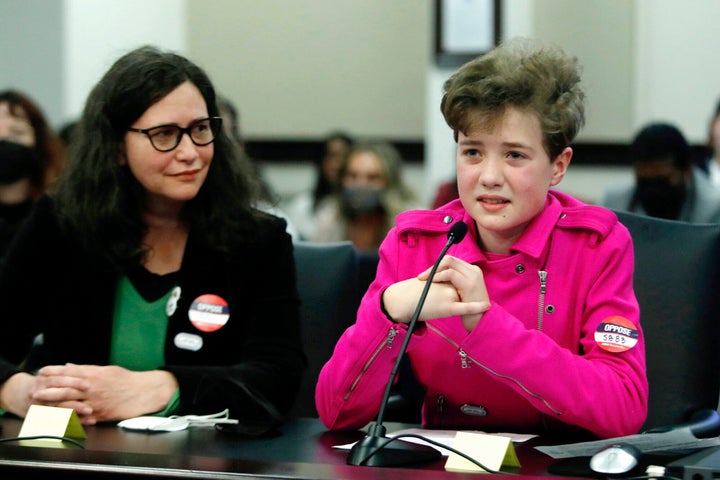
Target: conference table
(301, 449)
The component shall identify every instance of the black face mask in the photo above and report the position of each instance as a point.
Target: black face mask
(16, 162)
(358, 201)
(660, 198)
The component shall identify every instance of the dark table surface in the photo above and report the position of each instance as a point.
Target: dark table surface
(302, 448)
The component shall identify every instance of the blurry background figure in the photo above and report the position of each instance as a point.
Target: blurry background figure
(267, 198)
(303, 206)
(710, 165)
(666, 184)
(371, 195)
(66, 132)
(30, 159)
(446, 192)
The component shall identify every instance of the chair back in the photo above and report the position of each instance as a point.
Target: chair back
(327, 281)
(677, 286)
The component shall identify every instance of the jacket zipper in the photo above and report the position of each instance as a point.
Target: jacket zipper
(541, 302)
(441, 409)
(465, 357)
(387, 343)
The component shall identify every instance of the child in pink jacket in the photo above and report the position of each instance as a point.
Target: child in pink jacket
(531, 323)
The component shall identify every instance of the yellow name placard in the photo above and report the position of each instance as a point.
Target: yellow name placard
(43, 421)
(493, 451)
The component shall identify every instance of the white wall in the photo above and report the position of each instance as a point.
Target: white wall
(299, 68)
(96, 33)
(677, 63)
(31, 52)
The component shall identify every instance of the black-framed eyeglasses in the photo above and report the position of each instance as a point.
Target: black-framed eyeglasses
(166, 137)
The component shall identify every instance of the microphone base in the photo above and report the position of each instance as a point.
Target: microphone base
(375, 451)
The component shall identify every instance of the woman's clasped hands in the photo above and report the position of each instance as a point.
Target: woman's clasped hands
(96, 393)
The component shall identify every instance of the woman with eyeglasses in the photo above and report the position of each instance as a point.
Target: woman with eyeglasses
(146, 284)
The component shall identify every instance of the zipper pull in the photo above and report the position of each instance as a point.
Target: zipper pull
(440, 409)
(541, 301)
(543, 281)
(391, 337)
(463, 359)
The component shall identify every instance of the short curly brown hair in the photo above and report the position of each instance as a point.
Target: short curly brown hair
(532, 76)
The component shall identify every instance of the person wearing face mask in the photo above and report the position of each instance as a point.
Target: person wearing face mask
(371, 195)
(30, 158)
(302, 207)
(666, 185)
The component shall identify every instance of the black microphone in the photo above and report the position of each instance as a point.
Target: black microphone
(376, 449)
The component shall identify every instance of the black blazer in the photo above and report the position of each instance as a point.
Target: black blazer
(252, 365)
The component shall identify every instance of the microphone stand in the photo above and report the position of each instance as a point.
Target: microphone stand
(376, 449)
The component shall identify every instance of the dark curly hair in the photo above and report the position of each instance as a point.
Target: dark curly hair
(100, 201)
(534, 77)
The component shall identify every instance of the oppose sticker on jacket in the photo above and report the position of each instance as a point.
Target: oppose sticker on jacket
(209, 312)
(616, 334)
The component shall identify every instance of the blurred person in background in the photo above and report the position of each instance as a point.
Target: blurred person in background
(302, 208)
(268, 200)
(66, 133)
(446, 192)
(666, 185)
(30, 159)
(710, 165)
(372, 193)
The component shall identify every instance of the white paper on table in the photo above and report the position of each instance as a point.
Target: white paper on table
(445, 437)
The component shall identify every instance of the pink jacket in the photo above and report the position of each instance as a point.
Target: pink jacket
(560, 346)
